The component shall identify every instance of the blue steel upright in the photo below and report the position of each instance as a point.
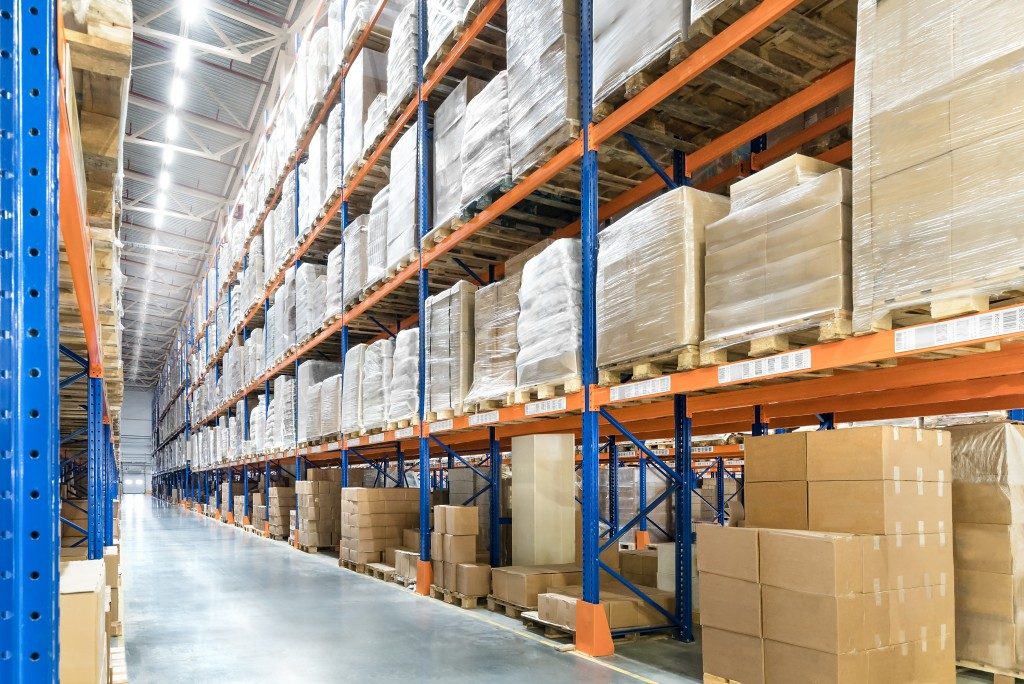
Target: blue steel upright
(683, 443)
(94, 417)
(110, 487)
(423, 221)
(29, 377)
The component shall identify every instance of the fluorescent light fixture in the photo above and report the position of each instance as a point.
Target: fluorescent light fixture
(177, 94)
(158, 219)
(173, 126)
(191, 10)
(168, 156)
(182, 56)
(161, 202)
(164, 181)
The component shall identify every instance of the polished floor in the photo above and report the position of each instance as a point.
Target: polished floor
(209, 603)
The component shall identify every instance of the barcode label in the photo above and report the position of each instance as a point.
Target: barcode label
(643, 388)
(404, 433)
(702, 449)
(376, 439)
(356, 441)
(535, 408)
(977, 327)
(484, 418)
(769, 365)
(441, 425)
(333, 446)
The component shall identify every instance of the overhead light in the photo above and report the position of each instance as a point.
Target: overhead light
(158, 219)
(168, 155)
(161, 202)
(173, 125)
(182, 56)
(191, 10)
(164, 181)
(177, 94)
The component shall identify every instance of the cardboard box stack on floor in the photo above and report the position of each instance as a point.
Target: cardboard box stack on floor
(319, 498)
(373, 520)
(239, 507)
(83, 627)
(112, 575)
(228, 490)
(988, 543)
(259, 510)
(862, 592)
(453, 551)
(463, 483)
(279, 506)
(408, 555)
(520, 585)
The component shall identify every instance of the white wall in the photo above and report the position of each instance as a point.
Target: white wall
(136, 440)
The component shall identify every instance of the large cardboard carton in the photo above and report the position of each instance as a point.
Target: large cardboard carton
(799, 665)
(732, 656)
(879, 453)
(830, 564)
(730, 604)
(83, 631)
(728, 551)
(775, 458)
(544, 499)
(834, 624)
(879, 507)
(520, 585)
(473, 579)
(462, 520)
(781, 505)
(459, 548)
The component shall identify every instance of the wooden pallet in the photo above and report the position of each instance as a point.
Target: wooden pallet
(485, 405)
(404, 261)
(836, 326)
(353, 566)
(999, 675)
(404, 581)
(497, 605)
(117, 665)
(116, 629)
(941, 308)
(314, 549)
(555, 143)
(547, 391)
(384, 573)
(400, 424)
(444, 414)
(683, 358)
(455, 598)
(485, 52)
(715, 679)
(531, 618)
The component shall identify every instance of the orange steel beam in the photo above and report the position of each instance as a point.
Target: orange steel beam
(839, 153)
(829, 85)
(702, 59)
(471, 32)
(759, 160)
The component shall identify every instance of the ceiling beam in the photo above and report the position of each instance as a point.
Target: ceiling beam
(197, 47)
(164, 232)
(176, 187)
(178, 149)
(189, 117)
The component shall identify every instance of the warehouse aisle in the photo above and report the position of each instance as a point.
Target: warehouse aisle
(205, 602)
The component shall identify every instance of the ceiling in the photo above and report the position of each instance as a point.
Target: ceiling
(239, 52)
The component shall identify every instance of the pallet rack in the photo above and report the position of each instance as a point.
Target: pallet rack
(36, 72)
(928, 369)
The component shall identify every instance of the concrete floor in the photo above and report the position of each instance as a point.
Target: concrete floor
(208, 603)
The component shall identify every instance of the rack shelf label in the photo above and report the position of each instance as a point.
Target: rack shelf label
(376, 439)
(778, 364)
(634, 390)
(355, 441)
(702, 449)
(441, 425)
(536, 408)
(403, 433)
(1006, 321)
(484, 418)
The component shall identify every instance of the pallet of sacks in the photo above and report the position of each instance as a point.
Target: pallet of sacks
(318, 500)
(458, 577)
(373, 520)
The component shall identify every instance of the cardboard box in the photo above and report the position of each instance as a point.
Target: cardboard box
(83, 631)
(459, 548)
(520, 585)
(879, 453)
(986, 594)
(736, 657)
(473, 579)
(440, 517)
(448, 580)
(781, 505)
(406, 563)
(639, 566)
(728, 551)
(795, 664)
(557, 609)
(730, 604)
(879, 507)
(436, 546)
(834, 624)
(543, 498)
(814, 562)
(988, 548)
(462, 520)
(907, 560)
(411, 538)
(775, 458)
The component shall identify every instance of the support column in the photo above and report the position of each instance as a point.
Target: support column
(683, 427)
(613, 484)
(495, 503)
(95, 440)
(643, 537)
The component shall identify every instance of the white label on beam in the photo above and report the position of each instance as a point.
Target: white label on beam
(376, 439)
(333, 446)
(634, 390)
(404, 433)
(355, 441)
(779, 364)
(484, 418)
(441, 425)
(996, 323)
(702, 449)
(536, 408)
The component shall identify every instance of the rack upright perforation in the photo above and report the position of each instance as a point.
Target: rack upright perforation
(877, 376)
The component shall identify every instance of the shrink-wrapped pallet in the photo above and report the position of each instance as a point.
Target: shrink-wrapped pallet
(335, 263)
(550, 305)
(312, 373)
(402, 201)
(781, 264)
(352, 391)
(355, 260)
(495, 312)
(358, 14)
(443, 17)
(376, 383)
(486, 164)
(988, 543)
(401, 68)
(403, 400)
(376, 122)
(377, 239)
(311, 181)
(938, 124)
(449, 331)
(449, 127)
(284, 411)
(630, 36)
(543, 78)
(310, 299)
(330, 405)
(650, 277)
(336, 31)
(332, 170)
(318, 67)
(365, 80)
(284, 220)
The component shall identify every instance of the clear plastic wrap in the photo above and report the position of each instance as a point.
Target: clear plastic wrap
(443, 17)
(988, 543)
(376, 383)
(284, 221)
(449, 125)
(703, 12)
(336, 31)
(495, 313)
(401, 70)
(550, 305)
(311, 183)
(284, 411)
(485, 148)
(377, 239)
(330, 405)
(449, 331)
(629, 36)
(310, 299)
(355, 260)
(782, 264)
(402, 200)
(650, 276)
(335, 262)
(352, 391)
(376, 121)
(936, 130)
(318, 68)
(366, 79)
(312, 374)
(543, 78)
(332, 167)
(403, 399)
(358, 14)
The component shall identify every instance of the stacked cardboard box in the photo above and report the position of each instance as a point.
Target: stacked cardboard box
(239, 507)
(83, 630)
(521, 585)
(259, 510)
(453, 551)
(623, 608)
(988, 543)
(463, 483)
(373, 520)
(407, 557)
(319, 498)
(227, 491)
(860, 590)
(279, 506)
(112, 573)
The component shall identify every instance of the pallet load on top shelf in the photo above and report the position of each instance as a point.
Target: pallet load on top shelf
(374, 520)
(650, 282)
(874, 569)
(403, 397)
(549, 326)
(486, 164)
(319, 498)
(352, 391)
(449, 349)
(936, 203)
(449, 130)
(333, 171)
(376, 383)
(401, 223)
(988, 547)
(543, 79)
(443, 18)
(358, 14)
(366, 79)
(401, 68)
